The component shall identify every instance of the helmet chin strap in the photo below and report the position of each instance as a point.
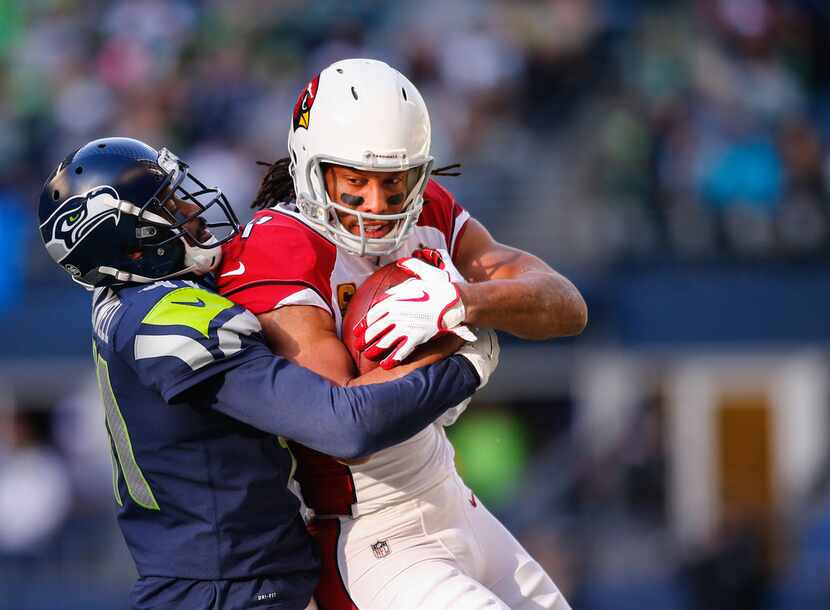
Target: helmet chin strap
(198, 261)
(202, 261)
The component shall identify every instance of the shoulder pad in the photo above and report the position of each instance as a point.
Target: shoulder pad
(279, 256)
(188, 306)
(193, 325)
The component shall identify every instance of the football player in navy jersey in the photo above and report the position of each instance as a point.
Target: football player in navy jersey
(197, 408)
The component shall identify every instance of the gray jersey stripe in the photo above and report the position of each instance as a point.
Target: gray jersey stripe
(188, 350)
(106, 306)
(229, 342)
(244, 323)
(136, 483)
(115, 491)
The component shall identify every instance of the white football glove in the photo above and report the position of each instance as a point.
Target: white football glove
(413, 312)
(439, 257)
(449, 417)
(483, 354)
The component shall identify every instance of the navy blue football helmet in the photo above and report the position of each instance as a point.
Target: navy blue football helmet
(118, 211)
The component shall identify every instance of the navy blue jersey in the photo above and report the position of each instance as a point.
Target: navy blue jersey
(195, 405)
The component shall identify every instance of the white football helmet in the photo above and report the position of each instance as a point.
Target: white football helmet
(363, 114)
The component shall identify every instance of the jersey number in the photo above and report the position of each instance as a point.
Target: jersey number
(121, 446)
(246, 232)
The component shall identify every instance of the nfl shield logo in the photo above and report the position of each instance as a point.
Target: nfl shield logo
(381, 549)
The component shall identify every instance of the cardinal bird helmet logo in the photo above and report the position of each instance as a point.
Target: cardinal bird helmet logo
(302, 109)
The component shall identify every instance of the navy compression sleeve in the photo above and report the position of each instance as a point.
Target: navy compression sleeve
(276, 396)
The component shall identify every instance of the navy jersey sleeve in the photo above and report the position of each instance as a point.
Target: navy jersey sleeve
(192, 345)
(274, 395)
(189, 335)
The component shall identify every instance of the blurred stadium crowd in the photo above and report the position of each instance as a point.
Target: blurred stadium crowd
(598, 134)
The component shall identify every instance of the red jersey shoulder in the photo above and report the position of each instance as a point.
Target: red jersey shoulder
(442, 211)
(276, 249)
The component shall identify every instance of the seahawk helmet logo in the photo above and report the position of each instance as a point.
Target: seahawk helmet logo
(302, 109)
(77, 217)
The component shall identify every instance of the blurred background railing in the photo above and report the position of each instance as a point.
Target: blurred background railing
(670, 157)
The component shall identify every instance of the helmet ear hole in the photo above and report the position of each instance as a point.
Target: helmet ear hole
(403, 92)
(79, 170)
(56, 195)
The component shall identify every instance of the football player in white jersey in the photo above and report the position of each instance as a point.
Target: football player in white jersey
(400, 530)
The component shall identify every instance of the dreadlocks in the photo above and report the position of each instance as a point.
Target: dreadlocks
(278, 186)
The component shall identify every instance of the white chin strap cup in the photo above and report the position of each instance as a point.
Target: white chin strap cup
(202, 260)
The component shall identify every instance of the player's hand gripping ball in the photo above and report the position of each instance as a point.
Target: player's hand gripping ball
(411, 302)
(369, 293)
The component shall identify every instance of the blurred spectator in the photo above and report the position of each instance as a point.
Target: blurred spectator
(34, 490)
(80, 434)
(646, 118)
(805, 213)
(732, 574)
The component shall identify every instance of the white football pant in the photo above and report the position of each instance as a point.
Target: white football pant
(442, 550)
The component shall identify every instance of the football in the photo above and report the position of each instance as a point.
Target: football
(367, 295)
